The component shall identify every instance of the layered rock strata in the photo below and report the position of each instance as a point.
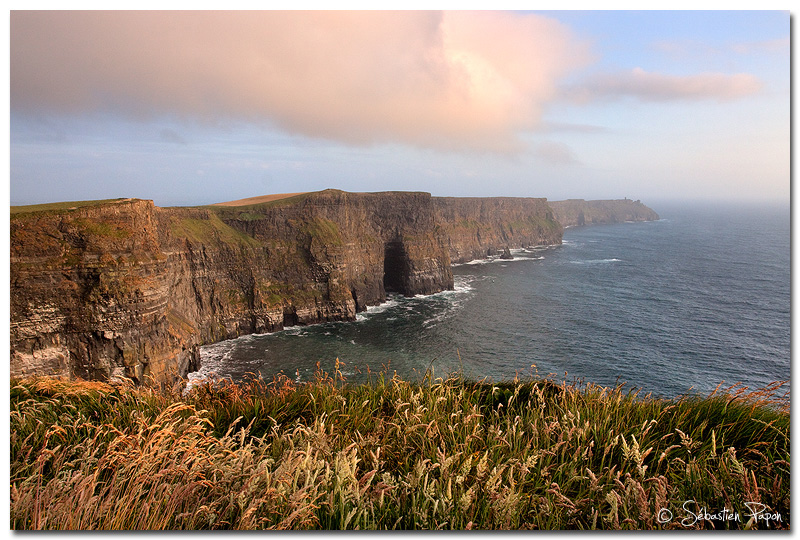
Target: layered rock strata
(476, 227)
(124, 289)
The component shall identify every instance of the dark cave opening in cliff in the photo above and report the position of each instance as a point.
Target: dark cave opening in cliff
(395, 267)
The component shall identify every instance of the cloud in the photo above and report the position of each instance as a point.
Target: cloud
(682, 49)
(771, 46)
(38, 129)
(648, 86)
(685, 48)
(568, 127)
(449, 80)
(555, 153)
(171, 136)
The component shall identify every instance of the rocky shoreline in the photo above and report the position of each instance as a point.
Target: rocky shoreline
(124, 289)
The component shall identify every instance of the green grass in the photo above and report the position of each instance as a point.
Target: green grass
(441, 454)
(210, 230)
(100, 228)
(323, 231)
(62, 206)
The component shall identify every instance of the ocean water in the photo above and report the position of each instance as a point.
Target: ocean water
(680, 305)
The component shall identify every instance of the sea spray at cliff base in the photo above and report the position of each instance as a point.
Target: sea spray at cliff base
(698, 298)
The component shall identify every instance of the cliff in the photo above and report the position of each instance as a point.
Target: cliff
(112, 289)
(91, 292)
(479, 227)
(578, 212)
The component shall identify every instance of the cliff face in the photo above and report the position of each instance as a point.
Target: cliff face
(479, 227)
(343, 249)
(577, 212)
(126, 289)
(90, 288)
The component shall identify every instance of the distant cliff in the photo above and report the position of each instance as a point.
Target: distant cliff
(577, 212)
(476, 227)
(121, 288)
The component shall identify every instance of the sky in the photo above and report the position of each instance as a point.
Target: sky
(189, 108)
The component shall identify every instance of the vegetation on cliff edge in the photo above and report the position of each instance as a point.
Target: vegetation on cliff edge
(253, 212)
(60, 207)
(209, 229)
(448, 454)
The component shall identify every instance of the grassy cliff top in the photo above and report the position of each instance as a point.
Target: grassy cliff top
(65, 206)
(449, 454)
(251, 210)
(250, 201)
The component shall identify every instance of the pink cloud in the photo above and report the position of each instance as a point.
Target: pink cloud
(436, 79)
(649, 86)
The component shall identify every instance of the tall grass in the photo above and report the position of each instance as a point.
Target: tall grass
(441, 454)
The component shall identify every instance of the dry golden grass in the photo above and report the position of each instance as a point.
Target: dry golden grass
(258, 200)
(443, 454)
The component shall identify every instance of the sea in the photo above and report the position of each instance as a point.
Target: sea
(696, 300)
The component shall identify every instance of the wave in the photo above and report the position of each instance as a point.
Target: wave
(212, 358)
(463, 284)
(380, 308)
(494, 260)
(462, 291)
(296, 330)
(596, 261)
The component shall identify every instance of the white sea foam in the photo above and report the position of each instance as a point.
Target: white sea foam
(462, 290)
(493, 260)
(296, 330)
(435, 319)
(463, 284)
(536, 249)
(212, 357)
(596, 261)
(215, 355)
(380, 308)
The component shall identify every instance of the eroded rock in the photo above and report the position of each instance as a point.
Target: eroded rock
(124, 289)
